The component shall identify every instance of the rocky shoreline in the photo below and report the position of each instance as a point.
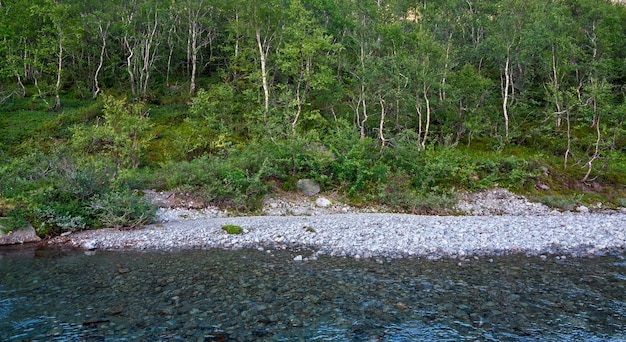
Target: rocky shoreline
(376, 235)
(502, 223)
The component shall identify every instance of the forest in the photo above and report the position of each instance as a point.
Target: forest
(395, 102)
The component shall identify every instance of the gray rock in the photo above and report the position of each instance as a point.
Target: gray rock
(308, 187)
(542, 186)
(582, 209)
(322, 202)
(20, 236)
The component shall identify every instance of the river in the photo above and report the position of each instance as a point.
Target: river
(245, 295)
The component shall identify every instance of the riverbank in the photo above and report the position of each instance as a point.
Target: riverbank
(376, 235)
(339, 230)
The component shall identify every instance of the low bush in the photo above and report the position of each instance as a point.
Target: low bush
(122, 209)
(562, 201)
(232, 229)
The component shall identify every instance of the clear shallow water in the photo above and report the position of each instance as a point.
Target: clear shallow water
(216, 295)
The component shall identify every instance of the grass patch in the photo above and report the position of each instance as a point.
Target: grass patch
(232, 229)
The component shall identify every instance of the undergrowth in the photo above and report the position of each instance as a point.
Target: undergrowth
(59, 173)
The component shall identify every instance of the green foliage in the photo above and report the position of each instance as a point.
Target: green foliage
(123, 134)
(235, 181)
(232, 229)
(400, 104)
(12, 217)
(121, 209)
(59, 191)
(562, 201)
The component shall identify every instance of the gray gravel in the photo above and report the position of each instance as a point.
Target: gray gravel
(378, 235)
(496, 222)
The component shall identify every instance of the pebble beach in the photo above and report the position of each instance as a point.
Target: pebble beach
(496, 223)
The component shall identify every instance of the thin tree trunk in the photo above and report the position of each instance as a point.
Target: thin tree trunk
(298, 108)
(569, 139)
(19, 81)
(57, 97)
(427, 128)
(555, 84)
(169, 60)
(362, 95)
(129, 66)
(381, 125)
(365, 117)
(149, 57)
(266, 90)
(194, 56)
(596, 152)
(237, 33)
(103, 34)
(442, 92)
(505, 97)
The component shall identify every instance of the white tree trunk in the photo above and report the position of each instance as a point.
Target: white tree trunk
(194, 56)
(129, 66)
(427, 128)
(263, 57)
(381, 125)
(505, 96)
(57, 97)
(103, 34)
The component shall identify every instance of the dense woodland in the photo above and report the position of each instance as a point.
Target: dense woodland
(397, 102)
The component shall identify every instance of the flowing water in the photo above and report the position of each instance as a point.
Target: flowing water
(249, 295)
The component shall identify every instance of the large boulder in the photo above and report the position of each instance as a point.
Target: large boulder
(308, 187)
(19, 236)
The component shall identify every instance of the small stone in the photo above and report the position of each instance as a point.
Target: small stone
(401, 306)
(123, 270)
(115, 311)
(582, 209)
(295, 322)
(542, 186)
(89, 245)
(298, 258)
(322, 202)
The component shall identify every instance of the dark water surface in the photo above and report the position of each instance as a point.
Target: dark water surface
(217, 295)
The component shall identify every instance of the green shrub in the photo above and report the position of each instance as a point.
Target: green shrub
(122, 209)
(122, 134)
(232, 229)
(242, 189)
(13, 218)
(49, 220)
(562, 201)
